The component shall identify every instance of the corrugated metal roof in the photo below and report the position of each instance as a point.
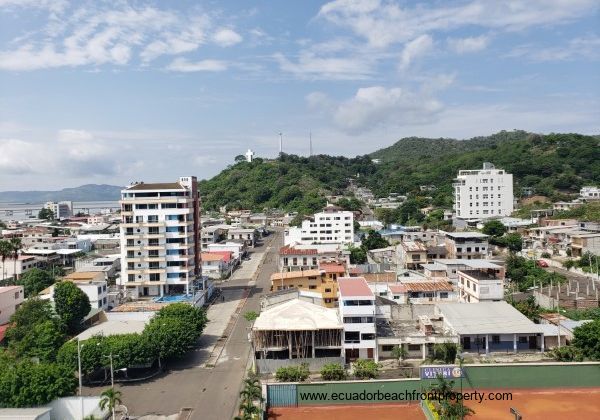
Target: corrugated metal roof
(428, 286)
(487, 318)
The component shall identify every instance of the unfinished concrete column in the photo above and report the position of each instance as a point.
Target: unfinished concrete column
(313, 344)
(515, 343)
(289, 345)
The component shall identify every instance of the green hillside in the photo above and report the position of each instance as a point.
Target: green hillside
(551, 164)
(290, 182)
(554, 165)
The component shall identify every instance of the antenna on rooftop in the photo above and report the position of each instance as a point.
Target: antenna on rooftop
(310, 152)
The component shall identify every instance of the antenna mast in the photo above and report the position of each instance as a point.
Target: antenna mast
(310, 152)
(280, 142)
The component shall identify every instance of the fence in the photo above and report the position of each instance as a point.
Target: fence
(509, 376)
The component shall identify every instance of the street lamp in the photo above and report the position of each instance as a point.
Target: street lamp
(79, 345)
(112, 378)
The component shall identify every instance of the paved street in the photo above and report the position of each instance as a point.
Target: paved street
(212, 392)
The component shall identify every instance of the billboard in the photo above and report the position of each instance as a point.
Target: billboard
(446, 372)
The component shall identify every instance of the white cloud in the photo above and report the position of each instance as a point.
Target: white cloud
(183, 65)
(312, 66)
(416, 48)
(385, 22)
(98, 35)
(19, 157)
(376, 106)
(582, 47)
(226, 37)
(469, 44)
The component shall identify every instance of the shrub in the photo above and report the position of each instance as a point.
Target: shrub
(250, 316)
(546, 255)
(292, 373)
(445, 352)
(333, 372)
(366, 369)
(566, 354)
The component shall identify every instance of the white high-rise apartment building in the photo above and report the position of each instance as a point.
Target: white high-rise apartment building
(61, 209)
(160, 237)
(331, 226)
(483, 193)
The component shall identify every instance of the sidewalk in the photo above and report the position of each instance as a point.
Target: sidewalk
(219, 316)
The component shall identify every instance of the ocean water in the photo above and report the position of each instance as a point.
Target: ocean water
(23, 211)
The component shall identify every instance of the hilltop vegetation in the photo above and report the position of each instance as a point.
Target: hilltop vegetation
(291, 182)
(552, 164)
(555, 165)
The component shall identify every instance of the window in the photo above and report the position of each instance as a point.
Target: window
(414, 347)
(496, 339)
(387, 347)
(312, 287)
(443, 295)
(522, 340)
(352, 337)
(368, 336)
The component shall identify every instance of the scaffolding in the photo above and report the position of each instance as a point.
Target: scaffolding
(300, 344)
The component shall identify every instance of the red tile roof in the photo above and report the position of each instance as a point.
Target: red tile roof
(336, 268)
(397, 288)
(3, 329)
(353, 286)
(227, 255)
(287, 250)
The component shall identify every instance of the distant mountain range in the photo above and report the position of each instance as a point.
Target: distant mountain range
(88, 192)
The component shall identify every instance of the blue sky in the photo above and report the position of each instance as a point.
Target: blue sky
(115, 91)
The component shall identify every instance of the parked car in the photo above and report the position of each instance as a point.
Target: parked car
(542, 263)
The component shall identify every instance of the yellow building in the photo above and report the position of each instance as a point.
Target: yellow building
(319, 281)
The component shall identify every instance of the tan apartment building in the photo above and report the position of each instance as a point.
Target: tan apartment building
(318, 281)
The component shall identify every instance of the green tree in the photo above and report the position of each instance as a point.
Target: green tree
(5, 252)
(27, 384)
(172, 337)
(109, 400)
(333, 372)
(399, 353)
(586, 338)
(31, 312)
(194, 318)
(46, 214)
(366, 369)
(445, 352)
(35, 280)
(514, 242)
(71, 304)
(357, 255)
(529, 308)
(16, 246)
(42, 341)
(374, 240)
(494, 228)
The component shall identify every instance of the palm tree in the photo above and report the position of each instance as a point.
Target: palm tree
(110, 399)
(5, 252)
(16, 246)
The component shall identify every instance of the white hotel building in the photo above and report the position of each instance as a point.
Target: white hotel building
(357, 312)
(483, 193)
(331, 226)
(160, 237)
